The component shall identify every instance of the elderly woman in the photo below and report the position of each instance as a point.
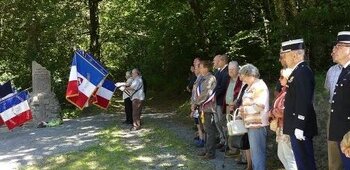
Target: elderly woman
(254, 110)
(284, 147)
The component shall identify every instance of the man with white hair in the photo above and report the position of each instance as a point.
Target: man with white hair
(233, 89)
(299, 114)
(334, 160)
(339, 123)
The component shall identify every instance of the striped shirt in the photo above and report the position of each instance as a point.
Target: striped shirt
(254, 97)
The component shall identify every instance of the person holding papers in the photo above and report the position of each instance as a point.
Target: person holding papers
(137, 97)
(127, 99)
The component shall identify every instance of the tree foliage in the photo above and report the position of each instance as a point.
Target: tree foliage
(162, 37)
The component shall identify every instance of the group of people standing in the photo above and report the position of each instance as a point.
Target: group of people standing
(292, 116)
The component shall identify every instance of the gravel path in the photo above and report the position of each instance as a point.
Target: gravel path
(25, 145)
(186, 133)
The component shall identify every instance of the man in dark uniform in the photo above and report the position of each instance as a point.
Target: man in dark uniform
(299, 114)
(339, 123)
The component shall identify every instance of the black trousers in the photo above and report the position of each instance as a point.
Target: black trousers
(128, 110)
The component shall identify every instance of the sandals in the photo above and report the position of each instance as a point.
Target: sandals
(135, 128)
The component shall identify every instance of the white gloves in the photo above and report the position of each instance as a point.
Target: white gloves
(299, 134)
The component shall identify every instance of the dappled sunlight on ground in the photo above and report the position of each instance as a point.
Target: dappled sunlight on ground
(155, 146)
(26, 145)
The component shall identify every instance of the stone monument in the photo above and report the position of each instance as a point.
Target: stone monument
(44, 103)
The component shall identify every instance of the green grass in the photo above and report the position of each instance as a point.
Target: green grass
(156, 149)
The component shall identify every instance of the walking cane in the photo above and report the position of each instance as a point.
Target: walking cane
(223, 164)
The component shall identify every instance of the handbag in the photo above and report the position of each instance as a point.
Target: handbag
(235, 126)
(239, 141)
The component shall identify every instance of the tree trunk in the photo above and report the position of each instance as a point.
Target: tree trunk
(280, 11)
(94, 29)
(33, 35)
(199, 17)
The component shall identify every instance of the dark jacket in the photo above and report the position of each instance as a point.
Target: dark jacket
(191, 81)
(221, 85)
(299, 110)
(340, 107)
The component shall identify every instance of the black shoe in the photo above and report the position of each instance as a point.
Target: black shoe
(241, 163)
(208, 157)
(222, 149)
(232, 154)
(203, 153)
(219, 146)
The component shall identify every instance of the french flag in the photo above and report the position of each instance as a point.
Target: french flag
(104, 94)
(85, 76)
(15, 110)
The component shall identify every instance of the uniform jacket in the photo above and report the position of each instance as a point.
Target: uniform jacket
(299, 111)
(340, 107)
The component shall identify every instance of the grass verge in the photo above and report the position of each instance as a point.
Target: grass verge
(153, 148)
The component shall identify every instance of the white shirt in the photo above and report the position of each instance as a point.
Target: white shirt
(137, 85)
(223, 68)
(331, 79)
(297, 65)
(346, 64)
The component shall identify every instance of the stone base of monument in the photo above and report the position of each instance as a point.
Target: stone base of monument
(45, 107)
(43, 101)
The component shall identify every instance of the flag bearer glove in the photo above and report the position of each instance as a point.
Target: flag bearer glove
(299, 134)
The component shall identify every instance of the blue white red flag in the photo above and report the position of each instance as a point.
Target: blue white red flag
(15, 110)
(104, 94)
(5, 91)
(85, 76)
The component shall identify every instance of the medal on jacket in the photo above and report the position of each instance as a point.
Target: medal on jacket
(290, 79)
